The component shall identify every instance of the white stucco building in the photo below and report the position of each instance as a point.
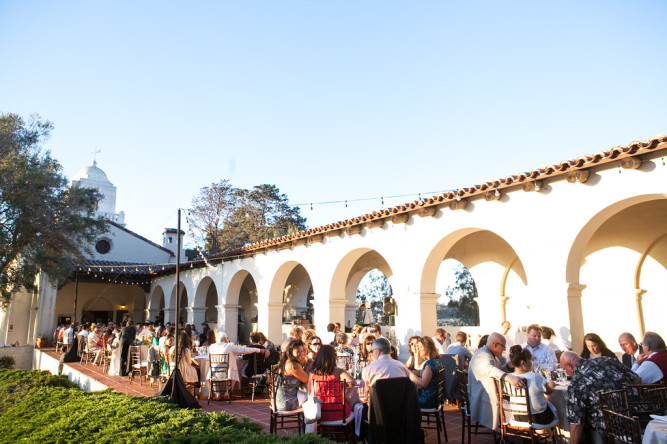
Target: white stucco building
(580, 246)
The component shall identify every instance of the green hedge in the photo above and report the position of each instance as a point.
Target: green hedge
(38, 407)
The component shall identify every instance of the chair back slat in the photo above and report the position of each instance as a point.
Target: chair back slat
(462, 382)
(621, 427)
(219, 366)
(615, 400)
(332, 394)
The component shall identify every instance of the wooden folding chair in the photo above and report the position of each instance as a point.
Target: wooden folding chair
(259, 370)
(137, 365)
(332, 395)
(219, 379)
(621, 428)
(641, 403)
(437, 413)
(513, 402)
(279, 419)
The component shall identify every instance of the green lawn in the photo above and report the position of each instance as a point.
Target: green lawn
(38, 407)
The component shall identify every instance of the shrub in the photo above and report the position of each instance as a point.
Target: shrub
(7, 362)
(39, 407)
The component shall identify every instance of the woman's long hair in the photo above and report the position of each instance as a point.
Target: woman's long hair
(429, 346)
(325, 361)
(412, 338)
(288, 355)
(183, 344)
(604, 350)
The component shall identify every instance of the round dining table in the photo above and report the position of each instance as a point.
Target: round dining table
(656, 431)
(558, 398)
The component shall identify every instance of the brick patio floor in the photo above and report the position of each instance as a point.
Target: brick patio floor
(257, 411)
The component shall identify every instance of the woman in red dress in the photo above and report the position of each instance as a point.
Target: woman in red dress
(324, 369)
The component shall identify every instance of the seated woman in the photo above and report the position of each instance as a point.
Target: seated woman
(426, 378)
(365, 355)
(324, 369)
(291, 376)
(414, 361)
(594, 347)
(341, 344)
(522, 360)
(188, 367)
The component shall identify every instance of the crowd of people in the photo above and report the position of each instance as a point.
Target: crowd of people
(364, 355)
(596, 369)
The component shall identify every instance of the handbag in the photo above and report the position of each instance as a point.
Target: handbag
(312, 408)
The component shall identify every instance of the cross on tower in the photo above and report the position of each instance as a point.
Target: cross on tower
(95, 153)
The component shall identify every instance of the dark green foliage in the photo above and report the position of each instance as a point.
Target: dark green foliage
(37, 407)
(462, 297)
(226, 218)
(7, 362)
(44, 224)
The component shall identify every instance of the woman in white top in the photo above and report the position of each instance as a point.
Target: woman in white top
(114, 366)
(538, 388)
(188, 367)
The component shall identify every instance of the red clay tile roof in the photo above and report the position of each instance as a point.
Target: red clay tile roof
(549, 171)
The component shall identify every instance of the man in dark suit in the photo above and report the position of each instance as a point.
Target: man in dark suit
(630, 347)
(127, 336)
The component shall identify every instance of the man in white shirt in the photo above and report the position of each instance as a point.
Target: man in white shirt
(440, 340)
(223, 346)
(652, 365)
(366, 316)
(330, 335)
(383, 366)
(541, 353)
(509, 337)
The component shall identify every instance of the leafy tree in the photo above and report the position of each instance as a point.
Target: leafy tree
(462, 304)
(227, 218)
(44, 224)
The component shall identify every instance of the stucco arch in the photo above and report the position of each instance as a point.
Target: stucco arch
(234, 287)
(202, 290)
(577, 255)
(470, 246)
(617, 269)
(156, 298)
(346, 278)
(290, 286)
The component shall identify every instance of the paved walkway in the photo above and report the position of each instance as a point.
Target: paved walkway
(257, 411)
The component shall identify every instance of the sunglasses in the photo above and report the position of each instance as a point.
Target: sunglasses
(316, 343)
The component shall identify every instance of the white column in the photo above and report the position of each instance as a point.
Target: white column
(228, 317)
(270, 320)
(169, 315)
(151, 314)
(350, 315)
(196, 315)
(417, 315)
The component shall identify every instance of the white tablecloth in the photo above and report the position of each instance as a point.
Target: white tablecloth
(655, 433)
(204, 373)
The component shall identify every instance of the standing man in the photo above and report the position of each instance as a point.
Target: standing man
(541, 353)
(630, 347)
(509, 338)
(366, 316)
(127, 336)
(652, 365)
(484, 366)
(590, 376)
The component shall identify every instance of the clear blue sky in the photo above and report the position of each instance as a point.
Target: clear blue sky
(329, 100)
